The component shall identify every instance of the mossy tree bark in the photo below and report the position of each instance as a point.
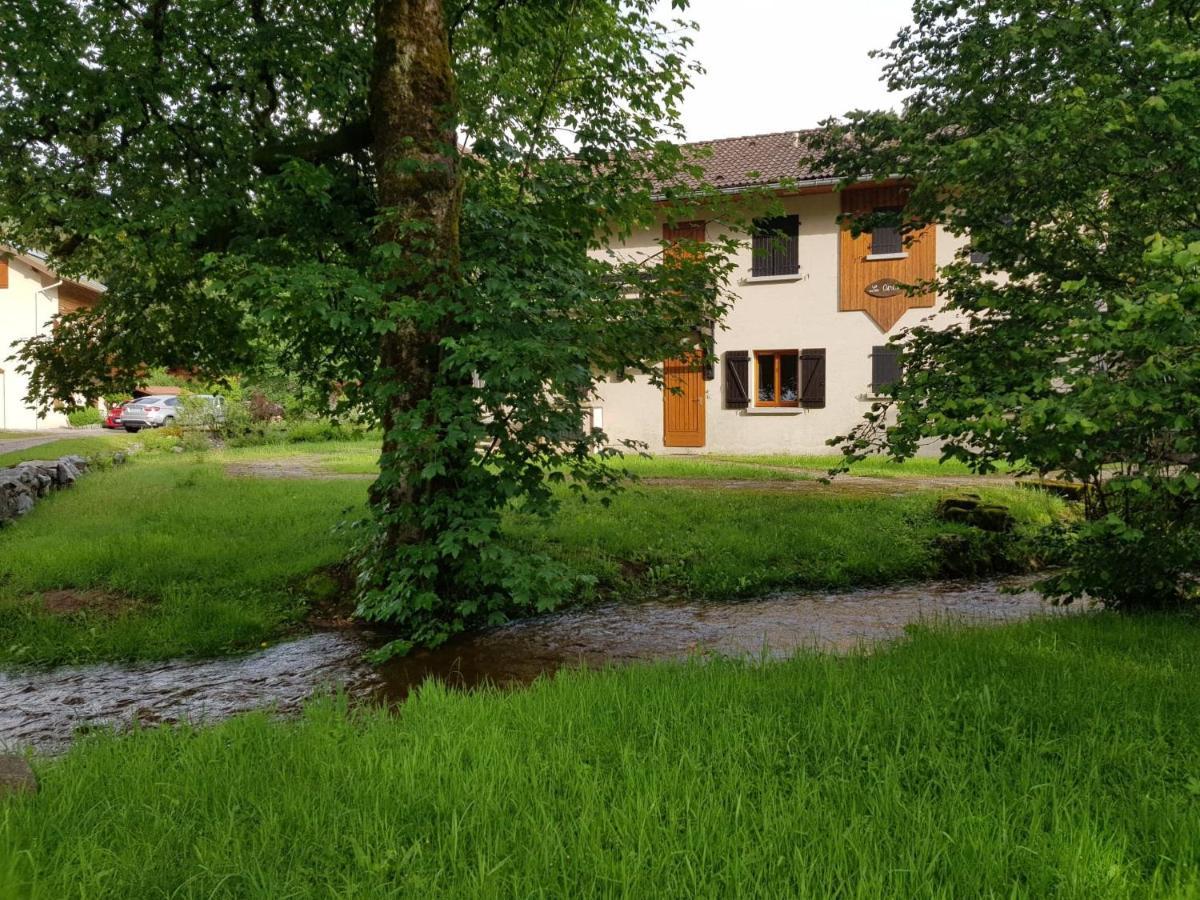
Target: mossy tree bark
(413, 119)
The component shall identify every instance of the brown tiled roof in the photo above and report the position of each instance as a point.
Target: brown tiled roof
(758, 159)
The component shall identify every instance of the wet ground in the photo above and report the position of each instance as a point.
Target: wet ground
(44, 710)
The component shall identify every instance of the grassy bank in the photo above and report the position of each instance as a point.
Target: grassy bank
(170, 555)
(712, 544)
(1054, 758)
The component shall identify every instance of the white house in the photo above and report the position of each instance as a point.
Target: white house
(802, 353)
(30, 296)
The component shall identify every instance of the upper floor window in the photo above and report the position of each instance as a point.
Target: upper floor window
(775, 246)
(886, 240)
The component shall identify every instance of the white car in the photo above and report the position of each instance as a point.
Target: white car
(155, 412)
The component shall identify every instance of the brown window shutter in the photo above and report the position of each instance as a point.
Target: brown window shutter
(885, 368)
(886, 239)
(775, 246)
(737, 379)
(812, 378)
(3, 273)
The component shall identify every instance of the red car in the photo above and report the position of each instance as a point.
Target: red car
(113, 419)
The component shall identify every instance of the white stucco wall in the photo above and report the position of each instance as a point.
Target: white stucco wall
(777, 315)
(24, 312)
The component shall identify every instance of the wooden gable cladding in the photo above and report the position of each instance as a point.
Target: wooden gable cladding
(683, 231)
(857, 273)
(74, 297)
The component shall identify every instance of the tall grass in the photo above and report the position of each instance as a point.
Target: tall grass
(1050, 759)
(207, 560)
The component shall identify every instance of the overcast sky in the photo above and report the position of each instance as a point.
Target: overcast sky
(775, 65)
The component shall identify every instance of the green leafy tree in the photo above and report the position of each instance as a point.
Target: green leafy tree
(405, 202)
(1061, 137)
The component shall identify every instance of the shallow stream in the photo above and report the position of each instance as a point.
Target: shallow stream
(46, 709)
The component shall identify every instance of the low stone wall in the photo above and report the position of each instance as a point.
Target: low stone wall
(22, 485)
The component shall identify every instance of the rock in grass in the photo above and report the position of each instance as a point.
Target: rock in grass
(16, 776)
(969, 509)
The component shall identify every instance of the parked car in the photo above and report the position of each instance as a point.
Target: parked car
(200, 410)
(150, 412)
(112, 418)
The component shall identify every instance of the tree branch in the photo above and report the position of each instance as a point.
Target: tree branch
(350, 138)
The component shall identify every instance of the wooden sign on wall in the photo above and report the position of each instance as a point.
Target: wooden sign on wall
(873, 285)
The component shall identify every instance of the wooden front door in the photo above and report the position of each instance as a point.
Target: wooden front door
(683, 409)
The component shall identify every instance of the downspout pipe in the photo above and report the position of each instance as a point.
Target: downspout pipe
(37, 320)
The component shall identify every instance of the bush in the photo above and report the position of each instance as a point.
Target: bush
(81, 418)
(324, 430)
(158, 438)
(240, 429)
(263, 409)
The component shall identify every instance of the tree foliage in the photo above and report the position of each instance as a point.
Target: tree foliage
(1061, 137)
(223, 168)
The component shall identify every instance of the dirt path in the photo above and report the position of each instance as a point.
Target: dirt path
(878, 486)
(816, 481)
(30, 439)
(12, 446)
(312, 466)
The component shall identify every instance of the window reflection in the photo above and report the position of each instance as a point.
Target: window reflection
(789, 378)
(766, 378)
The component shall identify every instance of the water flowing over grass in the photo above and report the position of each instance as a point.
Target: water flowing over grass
(1053, 758)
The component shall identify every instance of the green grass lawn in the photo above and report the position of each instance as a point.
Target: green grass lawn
(202, 563)
(1048, 759)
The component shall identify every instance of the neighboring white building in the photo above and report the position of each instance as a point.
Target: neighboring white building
(802, 350)
(30, 296)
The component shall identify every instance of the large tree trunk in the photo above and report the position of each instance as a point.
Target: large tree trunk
(413, 121)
